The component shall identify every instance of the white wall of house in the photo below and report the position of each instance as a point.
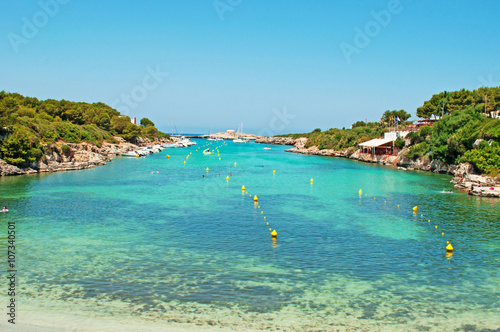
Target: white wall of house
(395, 134)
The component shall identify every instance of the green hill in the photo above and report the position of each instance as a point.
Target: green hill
(27, 124)
(451, 139)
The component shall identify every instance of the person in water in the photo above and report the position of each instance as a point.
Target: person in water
(4, 209)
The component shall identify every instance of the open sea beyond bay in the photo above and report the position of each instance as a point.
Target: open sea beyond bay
(117, 247)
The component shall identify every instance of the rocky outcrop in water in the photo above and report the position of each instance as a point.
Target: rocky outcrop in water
(277, 140)
(475, 184)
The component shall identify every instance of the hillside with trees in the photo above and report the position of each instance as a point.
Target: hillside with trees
(28, 124)
(466, 132)
(482, 100)
(342, 139)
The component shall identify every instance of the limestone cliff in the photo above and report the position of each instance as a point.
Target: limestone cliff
(81, 156)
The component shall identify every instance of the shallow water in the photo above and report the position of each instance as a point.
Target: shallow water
(185, 246)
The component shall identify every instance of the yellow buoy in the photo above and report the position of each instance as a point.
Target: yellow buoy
(264, 217)
(442, 233)
(274, 172)
(449, 247)
(436, 226)
(360, 192)
(184, 162)
(312, 180)
(137, 155)
(267, 223)
(270, 229)
(168, 156)
(219, 158)
(415, 208)
(374, 197)
(255, 199)
(398, 205)
(207, 169)
(190, 152)
(429, 220)
(234, 164)
(258, 206)
(227, 178)
(274, 233)
(261, 212)
(243, 188)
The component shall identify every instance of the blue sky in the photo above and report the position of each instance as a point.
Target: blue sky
(277, 66)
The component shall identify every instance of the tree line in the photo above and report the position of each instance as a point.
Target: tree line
(455, 138)
(28, 124)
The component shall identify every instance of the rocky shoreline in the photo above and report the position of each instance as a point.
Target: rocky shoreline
(464, 175)
(80, 156)
(85, 155)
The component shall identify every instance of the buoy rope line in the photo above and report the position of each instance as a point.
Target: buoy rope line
(244, 192)
(449, 247)
(273, 232)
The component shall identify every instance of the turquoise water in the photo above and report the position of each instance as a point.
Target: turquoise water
(188, 247)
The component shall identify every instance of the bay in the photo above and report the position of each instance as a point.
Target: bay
(187, 248)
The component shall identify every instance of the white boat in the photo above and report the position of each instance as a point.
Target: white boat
(130, 154)
(180, 144)
(238, 132)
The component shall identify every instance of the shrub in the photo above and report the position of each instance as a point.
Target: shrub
(485, 158)
(418, 150)
(66, 150)
(399, 143)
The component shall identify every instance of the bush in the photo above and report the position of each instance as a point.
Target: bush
(485, 158)
(18, 149)
(400, 143)
(66, 150)
(418, 151)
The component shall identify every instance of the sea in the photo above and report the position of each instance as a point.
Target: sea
(171, 242)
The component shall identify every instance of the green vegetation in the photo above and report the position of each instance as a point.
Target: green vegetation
(30, 123)
(146, 122)
(342, 139)
(486, 158)
(451, 139)
(399, 143)
(448, 102)
(66, 150)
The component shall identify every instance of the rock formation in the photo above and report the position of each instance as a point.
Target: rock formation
(81, 156)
